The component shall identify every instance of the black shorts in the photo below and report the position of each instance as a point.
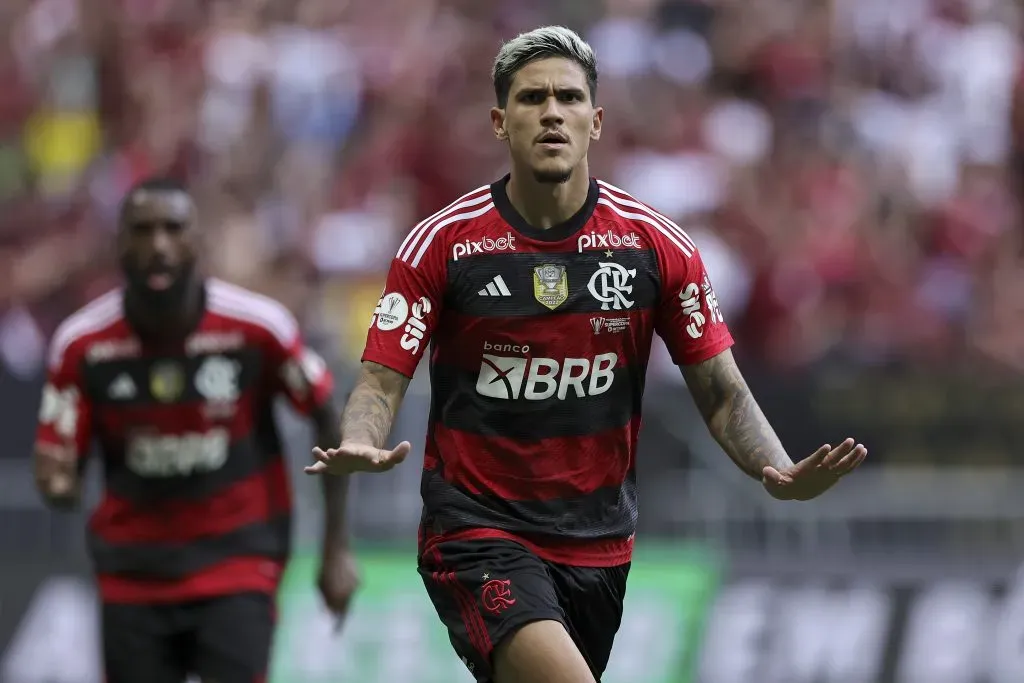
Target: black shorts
(225, 639)
(484, 590)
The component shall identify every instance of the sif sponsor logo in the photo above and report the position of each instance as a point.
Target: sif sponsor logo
(416, 327)
(60, 409)
(302, 373)
(690, 300)
(537, 379)
(177, 455)
(607, 240)
(483, 246)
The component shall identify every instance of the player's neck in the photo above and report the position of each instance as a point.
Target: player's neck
(165, 322)
(545, 205)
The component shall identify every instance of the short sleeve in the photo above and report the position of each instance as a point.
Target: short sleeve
(688, 318)
(65, 411)
(299, 372)
(408, 311)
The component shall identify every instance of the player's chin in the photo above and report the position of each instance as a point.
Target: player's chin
(552, 171)
(159, 290)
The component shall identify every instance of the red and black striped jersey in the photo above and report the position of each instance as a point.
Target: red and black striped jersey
(196, 500)
(539, 343)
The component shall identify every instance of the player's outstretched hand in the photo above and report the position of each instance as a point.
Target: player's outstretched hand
(812, 476)
(356, 457)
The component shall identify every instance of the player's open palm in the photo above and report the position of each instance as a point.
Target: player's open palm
(356, 457)
(812, 476)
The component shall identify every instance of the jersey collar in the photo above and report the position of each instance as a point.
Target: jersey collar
(555, 233)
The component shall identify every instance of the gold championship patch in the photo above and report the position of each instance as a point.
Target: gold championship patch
(550, 285)
(166, 382)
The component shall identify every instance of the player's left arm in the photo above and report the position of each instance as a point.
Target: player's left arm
(691, 323)
(733, 415)
(304, 378)
(327, 420)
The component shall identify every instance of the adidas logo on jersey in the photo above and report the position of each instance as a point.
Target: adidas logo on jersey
(122, 388)
(495, 287)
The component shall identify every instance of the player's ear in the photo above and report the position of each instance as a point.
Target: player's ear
(595, 129)
(498, 123)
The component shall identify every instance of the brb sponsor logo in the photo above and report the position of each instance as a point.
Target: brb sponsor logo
(537, 379)
(690, 300)
(483, 246)
(607, 240)
(415, 327)
(177, 455)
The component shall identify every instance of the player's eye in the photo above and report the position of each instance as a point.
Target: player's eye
(535, 97)
(142, 227)
(570, 97)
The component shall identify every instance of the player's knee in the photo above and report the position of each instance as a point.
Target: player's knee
(540, 652)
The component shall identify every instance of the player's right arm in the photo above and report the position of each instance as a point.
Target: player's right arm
(63, 433)
(399, 336)
(373, 404)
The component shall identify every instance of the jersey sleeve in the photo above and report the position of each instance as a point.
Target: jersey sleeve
(65, 411)
(409, 309)
(688, 318)
(298, 372)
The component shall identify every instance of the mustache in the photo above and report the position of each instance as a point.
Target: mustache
(553, 136)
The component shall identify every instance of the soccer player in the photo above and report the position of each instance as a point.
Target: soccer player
(174, 376)
(539, 296)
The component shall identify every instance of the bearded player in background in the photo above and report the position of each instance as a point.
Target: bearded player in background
(175, 376)
(538, 297)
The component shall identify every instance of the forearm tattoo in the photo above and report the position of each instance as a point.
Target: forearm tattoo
(733, 416)
(373, 404)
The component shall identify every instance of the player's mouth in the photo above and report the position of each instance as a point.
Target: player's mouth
(160, 278)
(553, 140)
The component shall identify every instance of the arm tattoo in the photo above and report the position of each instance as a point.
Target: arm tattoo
(373, 404)
(733, 416)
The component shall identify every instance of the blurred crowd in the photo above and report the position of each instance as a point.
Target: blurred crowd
(848, 167)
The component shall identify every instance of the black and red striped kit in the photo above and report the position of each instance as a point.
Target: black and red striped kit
(538, 347)
(196, 501)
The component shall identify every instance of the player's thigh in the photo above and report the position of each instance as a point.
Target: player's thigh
(141, 643)
(592, 598)
(540, 652)
(484, 591)
(233, 636)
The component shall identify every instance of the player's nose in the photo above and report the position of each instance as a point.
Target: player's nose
(551, 114)
(161, 242)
